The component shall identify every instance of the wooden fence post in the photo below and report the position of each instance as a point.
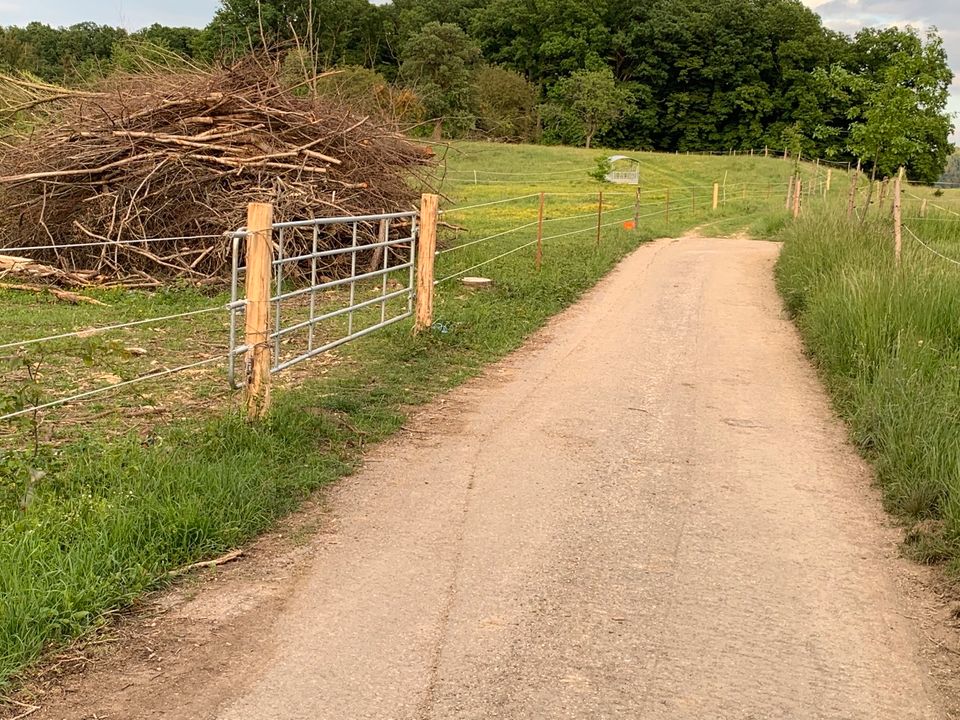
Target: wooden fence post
(883, 193)
(259, 258)
(897, 217)
(789, 202)
(426, 253)
(716, 195)
(599, 215)
(852, 201)
(797, 195)
(539, 256)
(636, 210)
(766, 151)
(829, 181)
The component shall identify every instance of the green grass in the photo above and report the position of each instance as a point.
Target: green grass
(887, 343)
(124, 500)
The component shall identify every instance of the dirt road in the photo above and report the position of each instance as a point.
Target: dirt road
(648, 513)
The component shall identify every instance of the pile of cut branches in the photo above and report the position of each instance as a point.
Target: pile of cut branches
(178, 155)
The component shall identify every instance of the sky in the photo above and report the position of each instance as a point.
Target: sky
(845, 15)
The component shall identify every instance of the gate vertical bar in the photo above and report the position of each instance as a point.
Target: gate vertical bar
(313, 284)
(383, 236)
(279, 288)
(353, 275)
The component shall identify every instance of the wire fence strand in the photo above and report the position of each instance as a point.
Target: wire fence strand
(933, 250)
(108, 388)
(89, 332)
(111, 243)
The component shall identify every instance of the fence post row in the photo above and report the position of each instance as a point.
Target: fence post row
(426, 253)
(259, 259)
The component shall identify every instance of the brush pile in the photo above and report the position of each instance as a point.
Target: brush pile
(179, 155)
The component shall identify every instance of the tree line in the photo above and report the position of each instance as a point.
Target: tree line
(669, 75)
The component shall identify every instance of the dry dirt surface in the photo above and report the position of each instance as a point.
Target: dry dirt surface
(648, 512)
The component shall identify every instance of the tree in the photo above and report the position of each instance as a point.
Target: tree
(951, 176)
(438, 63)
(900, 118)
(505, 103)
(584, 104)
(331, 31)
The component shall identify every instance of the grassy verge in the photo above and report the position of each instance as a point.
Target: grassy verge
(97, 512)
(887, 343)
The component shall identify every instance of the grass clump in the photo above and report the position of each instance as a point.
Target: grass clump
(887, 342)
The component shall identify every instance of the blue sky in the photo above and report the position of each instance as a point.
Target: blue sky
(845, 15)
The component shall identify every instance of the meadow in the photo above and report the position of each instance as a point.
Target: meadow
(101, 498)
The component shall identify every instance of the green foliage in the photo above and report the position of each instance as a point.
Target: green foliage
(951, 176)
(899, 115)
(584, 104)
(438, 62)
(700, 74)
(602, 169)
(332, 31)
(505, 103)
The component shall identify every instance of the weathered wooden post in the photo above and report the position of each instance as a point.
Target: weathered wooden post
(636, 210)
(797, 195)
(716, 195)
(538, 261)
(599, 214)
(883, 193)
(789, 202)
(852, 201)
(426, 253)
(897, 217)
(829, 181)
(259, 259)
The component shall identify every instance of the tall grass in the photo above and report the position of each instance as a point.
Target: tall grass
(887, 342)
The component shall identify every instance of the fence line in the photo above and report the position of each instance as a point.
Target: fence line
(108, 388)
(384, 245)
(590, 228)
(488, 237)
(90, 332)
(112, 243)
(487, 204)
(933, 250)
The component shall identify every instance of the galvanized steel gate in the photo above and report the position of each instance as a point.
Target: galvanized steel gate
(311, 290)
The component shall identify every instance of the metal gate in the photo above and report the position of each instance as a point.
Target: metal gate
(323, 298)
